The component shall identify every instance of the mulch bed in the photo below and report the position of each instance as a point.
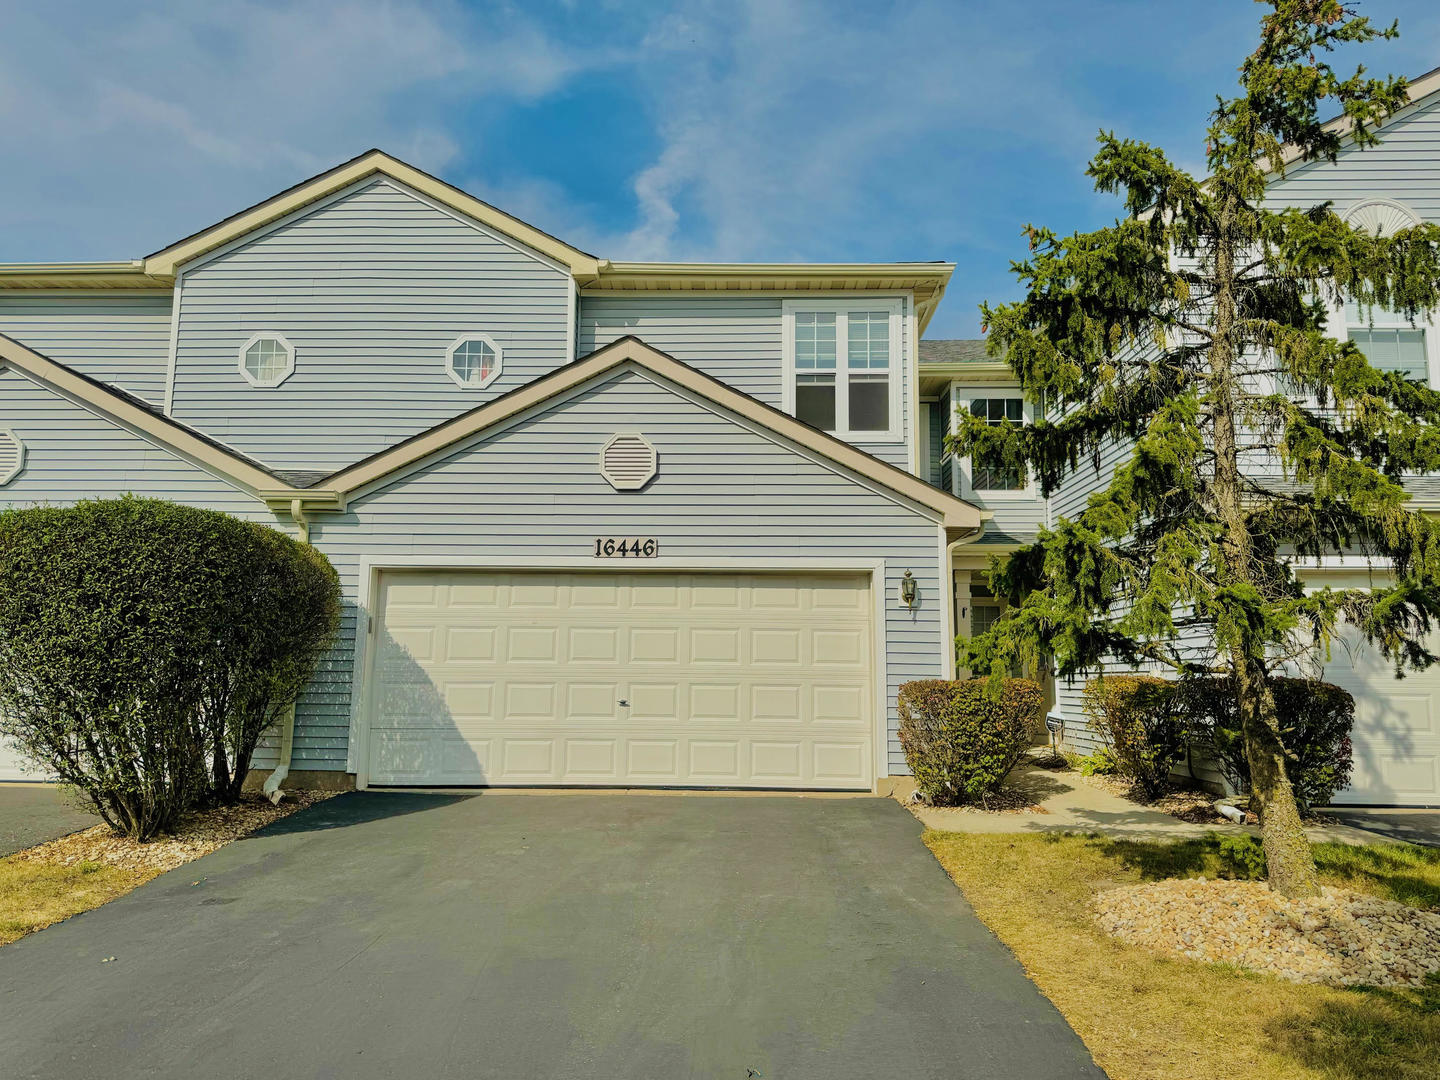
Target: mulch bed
(1339, 938)
(197, 834)
(1004, 801)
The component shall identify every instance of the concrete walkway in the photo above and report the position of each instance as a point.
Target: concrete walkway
(30, 814)
(1069, 804)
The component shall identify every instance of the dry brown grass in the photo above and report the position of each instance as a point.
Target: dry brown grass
(43, 885)
(1146, 1017)
(33, 895)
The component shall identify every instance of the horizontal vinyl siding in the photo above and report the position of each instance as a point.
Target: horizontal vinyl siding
(123, 339)
(1405, 167)
(71, 454)
(370, 290)
(533, 492)
(736, 339)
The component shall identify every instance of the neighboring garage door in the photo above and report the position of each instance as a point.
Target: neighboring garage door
(1397, 729)
(13, 766)
(651, 678)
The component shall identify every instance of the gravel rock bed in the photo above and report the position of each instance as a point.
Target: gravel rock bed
(1340, 938)
(197, 834)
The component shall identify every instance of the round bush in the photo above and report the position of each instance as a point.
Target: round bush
(145, 646)
(962, 738)
(1139, 719)
(1316, 719)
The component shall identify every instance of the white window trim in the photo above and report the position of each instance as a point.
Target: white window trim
(894, 308)
(475, 335)
(266, 384)
(961, 394)
(1338, 327)
(19, 466)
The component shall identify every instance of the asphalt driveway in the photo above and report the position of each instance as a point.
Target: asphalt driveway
(30, 814)
(561, 935)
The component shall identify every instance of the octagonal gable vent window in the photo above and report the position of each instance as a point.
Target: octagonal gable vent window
(473, 361)
(628, 461)
(267, 360)
(12, 456)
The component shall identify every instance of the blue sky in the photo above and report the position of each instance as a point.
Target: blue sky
(697, 129)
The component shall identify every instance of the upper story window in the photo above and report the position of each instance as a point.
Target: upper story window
(267, 360)
(987, 475)
(1390, 341)
(473, 361)
(842, 366)
(989, 479)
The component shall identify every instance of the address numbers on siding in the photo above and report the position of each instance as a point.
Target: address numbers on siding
(615, 547)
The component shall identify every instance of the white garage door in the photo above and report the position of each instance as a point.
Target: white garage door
(645, 679)
(1397, 729)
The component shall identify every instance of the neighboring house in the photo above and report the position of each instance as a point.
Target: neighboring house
(1397, 730)
(596, 522)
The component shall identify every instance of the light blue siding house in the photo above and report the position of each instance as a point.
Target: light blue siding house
(597, 523)
(1397, 733)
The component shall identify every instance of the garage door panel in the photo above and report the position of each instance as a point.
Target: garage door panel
(484, 686)
(593, 644)
(653, 760)
(1396, 739)
(771, 703)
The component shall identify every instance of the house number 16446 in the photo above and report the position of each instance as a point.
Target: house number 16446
(610, 547)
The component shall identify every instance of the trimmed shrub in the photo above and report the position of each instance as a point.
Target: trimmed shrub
(1316, 719)
(962, 738)
(279, 613)
(1140, 720)
(145, 646)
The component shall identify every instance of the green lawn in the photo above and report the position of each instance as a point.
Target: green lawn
(1147, 1017)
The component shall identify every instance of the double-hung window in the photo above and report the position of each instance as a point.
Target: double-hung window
(1390, 341)
(984, 476)
(843, 364)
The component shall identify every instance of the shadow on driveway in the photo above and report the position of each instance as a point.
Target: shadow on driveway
(359, 807)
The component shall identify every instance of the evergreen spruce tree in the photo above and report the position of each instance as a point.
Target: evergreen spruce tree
(1192, 332)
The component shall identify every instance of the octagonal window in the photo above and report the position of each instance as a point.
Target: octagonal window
(473, 361)
(12, 456)
(267, 360)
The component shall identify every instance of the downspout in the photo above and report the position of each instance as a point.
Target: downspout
(271, 788)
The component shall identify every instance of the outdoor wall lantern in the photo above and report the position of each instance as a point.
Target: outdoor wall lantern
(907, 589)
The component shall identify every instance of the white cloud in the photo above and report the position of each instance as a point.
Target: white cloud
(219, 105)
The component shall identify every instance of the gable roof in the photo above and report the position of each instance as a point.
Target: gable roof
(631, 351)
(164, 262)
(281, 488)
(140, 417)
(1418, 88)
(927, 280)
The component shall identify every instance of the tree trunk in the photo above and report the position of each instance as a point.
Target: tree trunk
(1287, 851)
